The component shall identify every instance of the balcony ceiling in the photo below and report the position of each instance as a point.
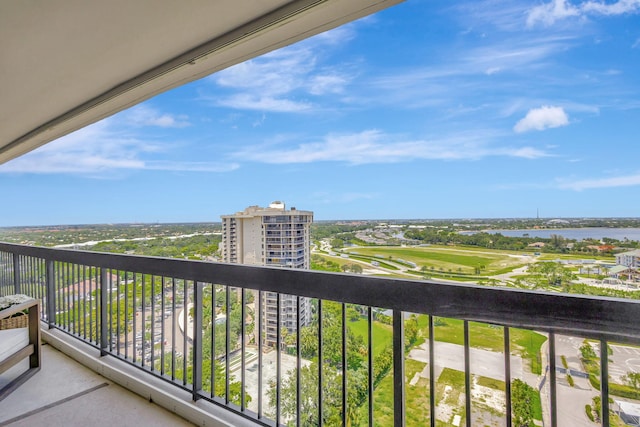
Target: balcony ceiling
(68, 63)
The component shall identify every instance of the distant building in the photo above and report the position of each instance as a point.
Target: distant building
(629, 259)
(271, 236)
(537, 245)
(601, 248)
(629, 412)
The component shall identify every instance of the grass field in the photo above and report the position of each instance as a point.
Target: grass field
(382, 334)
(525, 343)
(488, 337)
(445, 258)
(416, 404)
(552, 257)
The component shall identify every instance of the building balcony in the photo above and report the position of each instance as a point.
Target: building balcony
(380, 352)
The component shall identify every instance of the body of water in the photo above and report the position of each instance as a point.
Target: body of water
(573, 233)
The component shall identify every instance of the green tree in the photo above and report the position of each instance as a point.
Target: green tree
(597, 407)
(543, 274)
(522, 403)
(587, 351)
(356, 268)
(410, 332)
(331, 396)
(337, 243)
(632, 379)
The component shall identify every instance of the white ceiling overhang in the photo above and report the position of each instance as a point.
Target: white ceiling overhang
(65, 64)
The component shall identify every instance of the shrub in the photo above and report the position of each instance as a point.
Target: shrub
(589, 412)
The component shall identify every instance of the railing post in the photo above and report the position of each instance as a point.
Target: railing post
(16, 273)
(604, 382)
(398, 369)
(197, 341)
(553, 394)
(507, 374)
(51, 293)
(467, 374)
(104, 342)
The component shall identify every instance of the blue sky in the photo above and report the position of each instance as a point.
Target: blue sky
(430, 109)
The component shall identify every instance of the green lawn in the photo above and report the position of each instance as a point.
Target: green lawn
(416, 404)
(444, 258)
(551, 257)
(488, 337)
(483, 336)
(382, 334)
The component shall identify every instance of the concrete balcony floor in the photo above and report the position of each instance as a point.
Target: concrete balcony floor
(77, 387)
(65, 393)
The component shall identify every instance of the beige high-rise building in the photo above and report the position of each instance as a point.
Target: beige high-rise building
(272, 236)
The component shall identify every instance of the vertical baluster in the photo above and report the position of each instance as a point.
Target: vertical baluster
(197, 340)
(432, 374)
(110, 308)
(370, 362)
(51, 293)
(398, 369)
(507, 374)
(298, 360)
(278, 355)
(16, 274)
(162, 316)
(243, 332)
(84, 301)
(143, 319)
(174, 320)
(134, 314)
(103, 312)
(604, 382)
(467, 374)
(320, 363)
(260, 325)
(227, 343)
(76, 298)
(344, 363)
(125, 275)
(552, 379)
(67, 293)
(91, 316)
(185, 309)
(152, 349)
(213, 341)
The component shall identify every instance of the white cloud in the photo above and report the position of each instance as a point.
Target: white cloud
(278, 80)
(620, 7)
(611, 182)
(373, 146)
(547, 14)
(435, 85)
(143, 115)
(542, 118)
(248, 101)
(98, 151)
(328, 83)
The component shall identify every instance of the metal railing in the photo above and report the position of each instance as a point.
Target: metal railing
(201, 327)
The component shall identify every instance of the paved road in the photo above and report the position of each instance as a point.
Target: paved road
(572, 400)
(484, 363)
(624, 359)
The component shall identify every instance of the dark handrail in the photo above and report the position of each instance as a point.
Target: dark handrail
(596, 317)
